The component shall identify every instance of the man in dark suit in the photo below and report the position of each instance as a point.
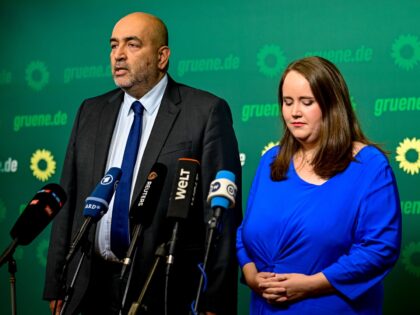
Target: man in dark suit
(178, 122)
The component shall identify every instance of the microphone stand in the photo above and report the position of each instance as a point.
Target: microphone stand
(171, 250)
(69, 290)
(159, 254)
(170, 261)
(129, 260)
(12, 270)
(212, 223)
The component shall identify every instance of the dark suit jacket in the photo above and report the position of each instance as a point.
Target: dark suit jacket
(190, 123)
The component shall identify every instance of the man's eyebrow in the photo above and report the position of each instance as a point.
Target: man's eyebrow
(126, 39)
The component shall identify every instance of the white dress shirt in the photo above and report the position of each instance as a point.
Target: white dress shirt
(151, 103)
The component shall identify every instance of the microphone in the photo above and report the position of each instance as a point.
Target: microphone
(39, 212)
(222, 192)
(141, 215)
(221, 196)
(96, 205)
(181, 200)
(145, 206)
(147, 202)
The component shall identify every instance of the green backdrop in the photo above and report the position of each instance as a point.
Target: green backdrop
(55, 53)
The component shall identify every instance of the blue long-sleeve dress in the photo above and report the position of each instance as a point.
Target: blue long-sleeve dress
(349, 228)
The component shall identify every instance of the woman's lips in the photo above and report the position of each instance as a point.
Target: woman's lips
(297, 124)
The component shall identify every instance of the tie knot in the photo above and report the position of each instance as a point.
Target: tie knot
(137, 108)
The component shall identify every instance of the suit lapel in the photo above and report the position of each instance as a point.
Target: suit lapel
(107, 121)
(162, 126)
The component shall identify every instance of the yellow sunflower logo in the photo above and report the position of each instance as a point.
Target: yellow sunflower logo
(269, 146)
(43, 164)
(407, 147)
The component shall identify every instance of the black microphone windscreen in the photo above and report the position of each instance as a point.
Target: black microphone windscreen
(184, 188)
(39, 212)
(146, 203)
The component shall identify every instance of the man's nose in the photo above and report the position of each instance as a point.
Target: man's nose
(119, 53)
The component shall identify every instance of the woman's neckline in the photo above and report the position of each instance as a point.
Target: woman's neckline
(326, 181)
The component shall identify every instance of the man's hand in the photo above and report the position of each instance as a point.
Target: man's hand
(57, 305)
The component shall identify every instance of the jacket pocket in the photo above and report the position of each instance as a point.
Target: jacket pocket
(181, 146)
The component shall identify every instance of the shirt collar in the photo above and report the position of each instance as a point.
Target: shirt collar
(150, 101)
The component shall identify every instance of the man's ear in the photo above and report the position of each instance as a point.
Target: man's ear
(163, 57)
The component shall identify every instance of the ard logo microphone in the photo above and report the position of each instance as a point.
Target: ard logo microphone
(96, 205)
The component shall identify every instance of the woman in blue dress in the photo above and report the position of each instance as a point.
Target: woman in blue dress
(323, 221)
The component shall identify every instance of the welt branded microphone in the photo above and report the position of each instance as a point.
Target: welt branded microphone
(182, 199)
(96, 205)
(39, 212)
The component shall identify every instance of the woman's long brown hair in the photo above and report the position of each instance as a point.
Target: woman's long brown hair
(339, 126)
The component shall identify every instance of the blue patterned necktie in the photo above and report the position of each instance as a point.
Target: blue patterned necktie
(120, 235)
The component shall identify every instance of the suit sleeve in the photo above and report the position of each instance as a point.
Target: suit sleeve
(220, 152)
(62, 225)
